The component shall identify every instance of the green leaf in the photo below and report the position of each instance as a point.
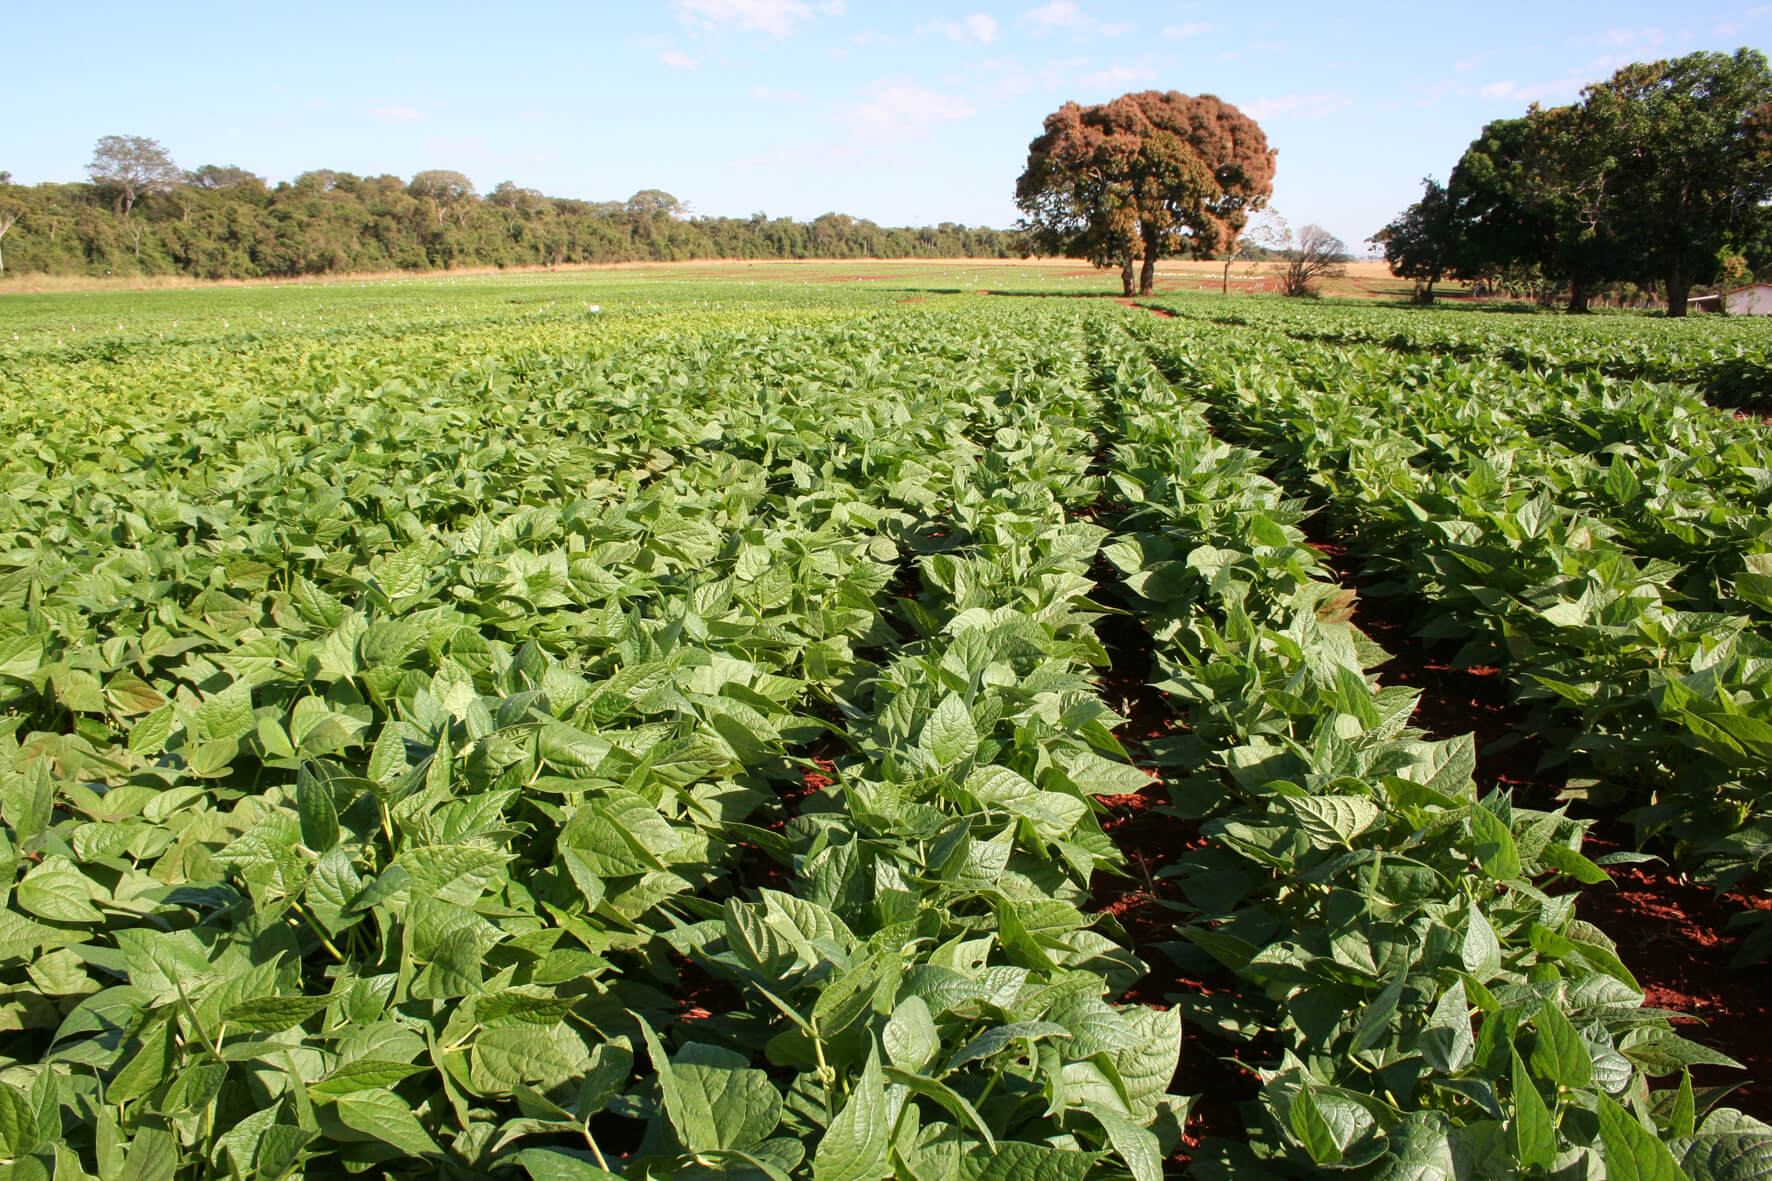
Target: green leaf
(1481, 954)
(1447, 1043)
(150, 1066)
(1729, 1146)
(1334, 819)
(1018, 1160)
(1305, 1118)
(512, 1055)
(388, 1118)
(1000, 1037)
(713, 1100)
(1493, 845)
(153, 1153)
(1569, 863)
(558, 1164)
(910, 1037)
(318, 813)
(1558, 1054)
(273, 1014)
(854, 1147)
(949, 735)
(1631, 1151)
(19, 1131)
(20, 938)
(956, 1104)
(56, 890)
(1531, 1133)
(1667, 1052)
(1375, 1021)
(1682, 1120)
(363, 1074)
(1137, 1146)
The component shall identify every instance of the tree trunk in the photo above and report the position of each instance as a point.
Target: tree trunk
(1126, 278)
(1579, 294)
(1427, 292)
(1678, 288)
(1147, 278)
(1227, 275)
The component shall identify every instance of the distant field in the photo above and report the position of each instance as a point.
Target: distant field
(1371, 279)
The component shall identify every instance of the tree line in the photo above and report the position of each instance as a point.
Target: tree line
(139, 213)
(1659, 177)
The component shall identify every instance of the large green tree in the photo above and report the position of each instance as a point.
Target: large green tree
(1152, 174)
(1422, 242)
(1690, 141)
(1539, 191)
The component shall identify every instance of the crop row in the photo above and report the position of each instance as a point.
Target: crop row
(1726, 359)
(1624, 591)
(1410, 972)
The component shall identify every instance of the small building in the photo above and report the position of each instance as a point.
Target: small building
(1753, 300)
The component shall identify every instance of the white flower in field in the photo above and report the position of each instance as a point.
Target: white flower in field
(596, 307)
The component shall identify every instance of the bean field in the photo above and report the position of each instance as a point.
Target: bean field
(727, 725)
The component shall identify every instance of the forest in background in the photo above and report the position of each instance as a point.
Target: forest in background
(140, 214)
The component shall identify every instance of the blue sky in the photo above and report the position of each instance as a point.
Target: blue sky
(905, 113)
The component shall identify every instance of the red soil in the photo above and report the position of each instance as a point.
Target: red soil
(1670, 935)
(1137, 899)
(1129, 302)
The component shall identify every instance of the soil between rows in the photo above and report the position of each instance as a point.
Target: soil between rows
(1151, 838)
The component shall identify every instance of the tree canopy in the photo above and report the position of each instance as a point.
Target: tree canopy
(1150, 174)
(221, 221)
(132, 165)
(1658, 174)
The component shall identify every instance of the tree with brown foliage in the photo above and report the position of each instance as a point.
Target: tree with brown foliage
(1150, 175)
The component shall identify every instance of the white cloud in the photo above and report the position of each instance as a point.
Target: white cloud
(777, 18)
(677, 59)
(769, 92)
(1442, 90)
(1466, 65)
(1303, 106)
(1189, 29)
(1631, 39)
(1059, 14)
(980, 27)
(899, 111)
(1533, 92)
(398, 114)
(1117, 76)
(1734, 24)
(1064, 16)
(1011, 77)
